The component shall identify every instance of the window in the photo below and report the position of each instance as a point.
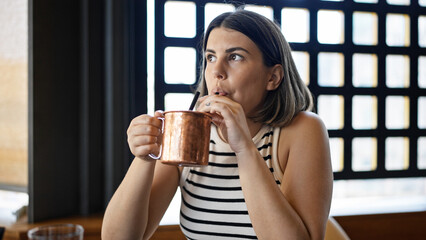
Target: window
(13, 107)
(364, 62)
(13, 93)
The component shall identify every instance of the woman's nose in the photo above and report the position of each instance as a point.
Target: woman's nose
(219, 70)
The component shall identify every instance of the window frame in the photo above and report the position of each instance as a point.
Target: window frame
(348, 91)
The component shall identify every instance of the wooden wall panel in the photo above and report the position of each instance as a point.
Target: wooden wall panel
(385, 226)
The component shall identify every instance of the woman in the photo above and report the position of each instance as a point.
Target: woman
(269, 173)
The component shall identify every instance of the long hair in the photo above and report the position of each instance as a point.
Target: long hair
(292, 96)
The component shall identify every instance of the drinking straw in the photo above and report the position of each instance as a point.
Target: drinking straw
(194, 100)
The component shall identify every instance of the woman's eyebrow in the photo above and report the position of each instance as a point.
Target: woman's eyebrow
(236, 49)
(229, 50)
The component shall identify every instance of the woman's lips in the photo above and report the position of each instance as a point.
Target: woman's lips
(221, 93)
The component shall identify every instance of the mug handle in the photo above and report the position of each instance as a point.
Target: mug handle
(161, 146)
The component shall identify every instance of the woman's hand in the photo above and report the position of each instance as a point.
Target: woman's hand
(144, 135)
(230, 118)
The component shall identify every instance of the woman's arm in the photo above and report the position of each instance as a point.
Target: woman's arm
(143, 196)
(300, 208)
(140, 201)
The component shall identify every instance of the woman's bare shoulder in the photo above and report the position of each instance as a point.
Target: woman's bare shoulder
(305, 127)
(305, 122)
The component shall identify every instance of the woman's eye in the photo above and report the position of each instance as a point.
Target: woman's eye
(235, 57)
(210, 58)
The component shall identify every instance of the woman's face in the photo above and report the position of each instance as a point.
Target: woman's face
(235, 69)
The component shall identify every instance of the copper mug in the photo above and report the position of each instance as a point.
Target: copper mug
(186, 138)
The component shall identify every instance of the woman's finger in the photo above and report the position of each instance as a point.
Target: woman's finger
(147, 120)
(144, 130)
(144, 150)
(143, 140)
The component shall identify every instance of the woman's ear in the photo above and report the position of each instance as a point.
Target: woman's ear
(277, 73)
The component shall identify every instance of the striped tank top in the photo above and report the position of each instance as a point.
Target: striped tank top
(213, 205)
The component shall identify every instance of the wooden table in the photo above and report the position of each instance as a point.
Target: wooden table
(92, 228)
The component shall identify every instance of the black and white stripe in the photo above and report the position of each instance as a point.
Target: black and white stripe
(213, 205)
